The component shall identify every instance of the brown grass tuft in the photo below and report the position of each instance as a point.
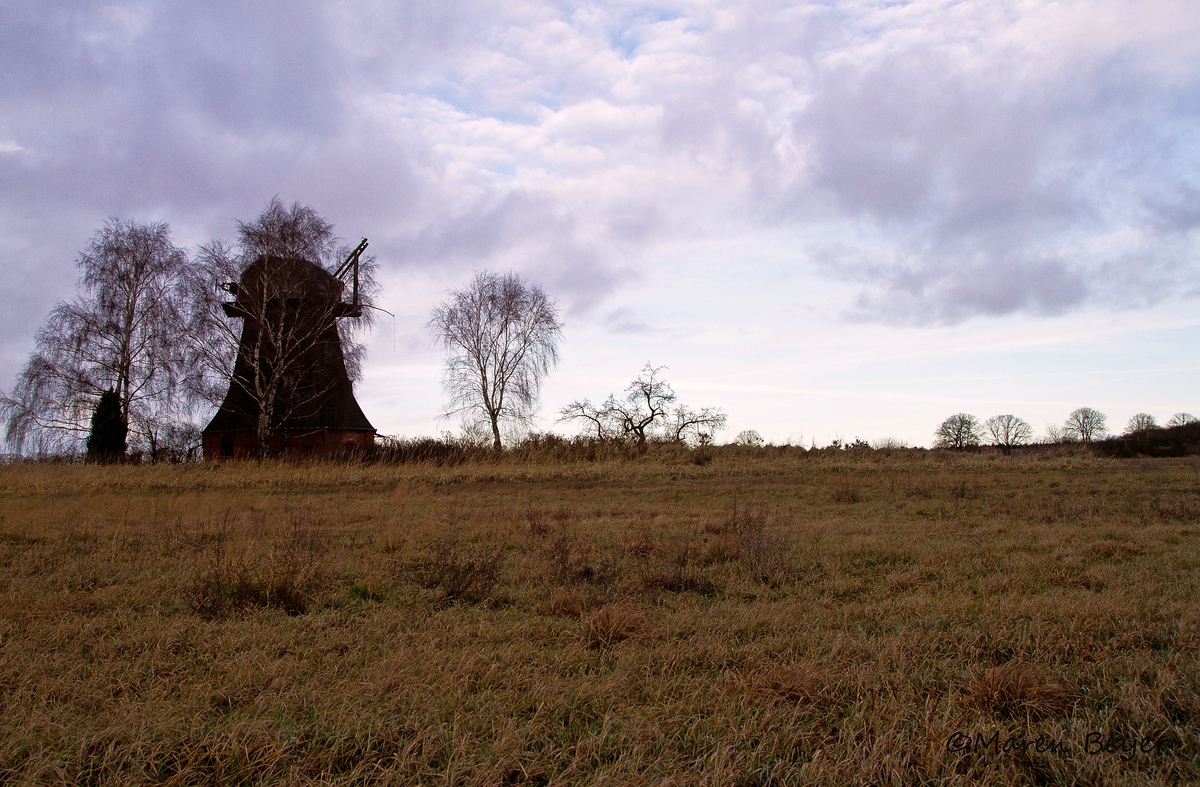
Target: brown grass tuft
(287, 577)
(799, 682)
(562, 603)
(845, 493)
(1017, 690)
(611, 624)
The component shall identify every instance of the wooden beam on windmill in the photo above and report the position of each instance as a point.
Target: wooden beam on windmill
(351, 264)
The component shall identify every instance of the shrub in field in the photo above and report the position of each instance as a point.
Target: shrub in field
(679, 572)
(768, 558)
(563, 603)
(287, 577)
(464, 574)
(845, 492)
(573, 560)
(743, 537)
(611, 624)
(1017, 690)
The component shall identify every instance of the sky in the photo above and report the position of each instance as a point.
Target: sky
(829, 219)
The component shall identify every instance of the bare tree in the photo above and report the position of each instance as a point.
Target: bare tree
(645, 413)
(1009, 431)
(689, 425)
(647, 400)
(749, 437)
(121, 334)
(1057, 434)
(1085, 424)
(957, 432)
(1180, 419)
(501, 338)
(1140, 425)
(267, 352)
(600, 419)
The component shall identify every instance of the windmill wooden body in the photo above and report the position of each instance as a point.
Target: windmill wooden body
(289, 393)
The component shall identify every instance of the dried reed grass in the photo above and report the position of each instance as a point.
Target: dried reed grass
(528, 619)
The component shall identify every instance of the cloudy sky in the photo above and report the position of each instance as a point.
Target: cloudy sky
(828, 218)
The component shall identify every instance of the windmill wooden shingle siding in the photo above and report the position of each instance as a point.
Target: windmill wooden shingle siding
(289, 393)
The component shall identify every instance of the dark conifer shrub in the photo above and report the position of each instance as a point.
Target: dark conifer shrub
(106, 441)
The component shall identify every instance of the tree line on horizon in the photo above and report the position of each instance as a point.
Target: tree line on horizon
(963, 431)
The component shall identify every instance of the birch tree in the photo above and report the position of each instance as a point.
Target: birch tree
(501, 335)
(120, 334)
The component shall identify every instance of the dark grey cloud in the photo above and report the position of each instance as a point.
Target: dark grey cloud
(981, 189)
(938, 290)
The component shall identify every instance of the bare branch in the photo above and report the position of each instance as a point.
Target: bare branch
(1085, 424)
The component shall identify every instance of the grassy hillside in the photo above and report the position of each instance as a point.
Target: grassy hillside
(771, 617)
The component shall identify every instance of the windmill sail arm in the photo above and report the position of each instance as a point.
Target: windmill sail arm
(351, 259)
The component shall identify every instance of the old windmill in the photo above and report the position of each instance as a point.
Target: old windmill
(289, 393)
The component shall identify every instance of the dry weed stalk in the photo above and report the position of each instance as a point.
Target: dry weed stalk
(466, 574)
(287, 576)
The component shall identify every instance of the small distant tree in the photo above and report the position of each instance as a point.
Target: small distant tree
(1008, 431)
(598, 420)
(749, 437)
(1057, 434)
(1085, 424)
(646, 412)
(1140, 424)
(501, 338)
(1181, 419)
(106, 438)
(689, 425)
(647, 402)
(957, 432)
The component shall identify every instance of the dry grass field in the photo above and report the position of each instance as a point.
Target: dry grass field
(770, 617)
